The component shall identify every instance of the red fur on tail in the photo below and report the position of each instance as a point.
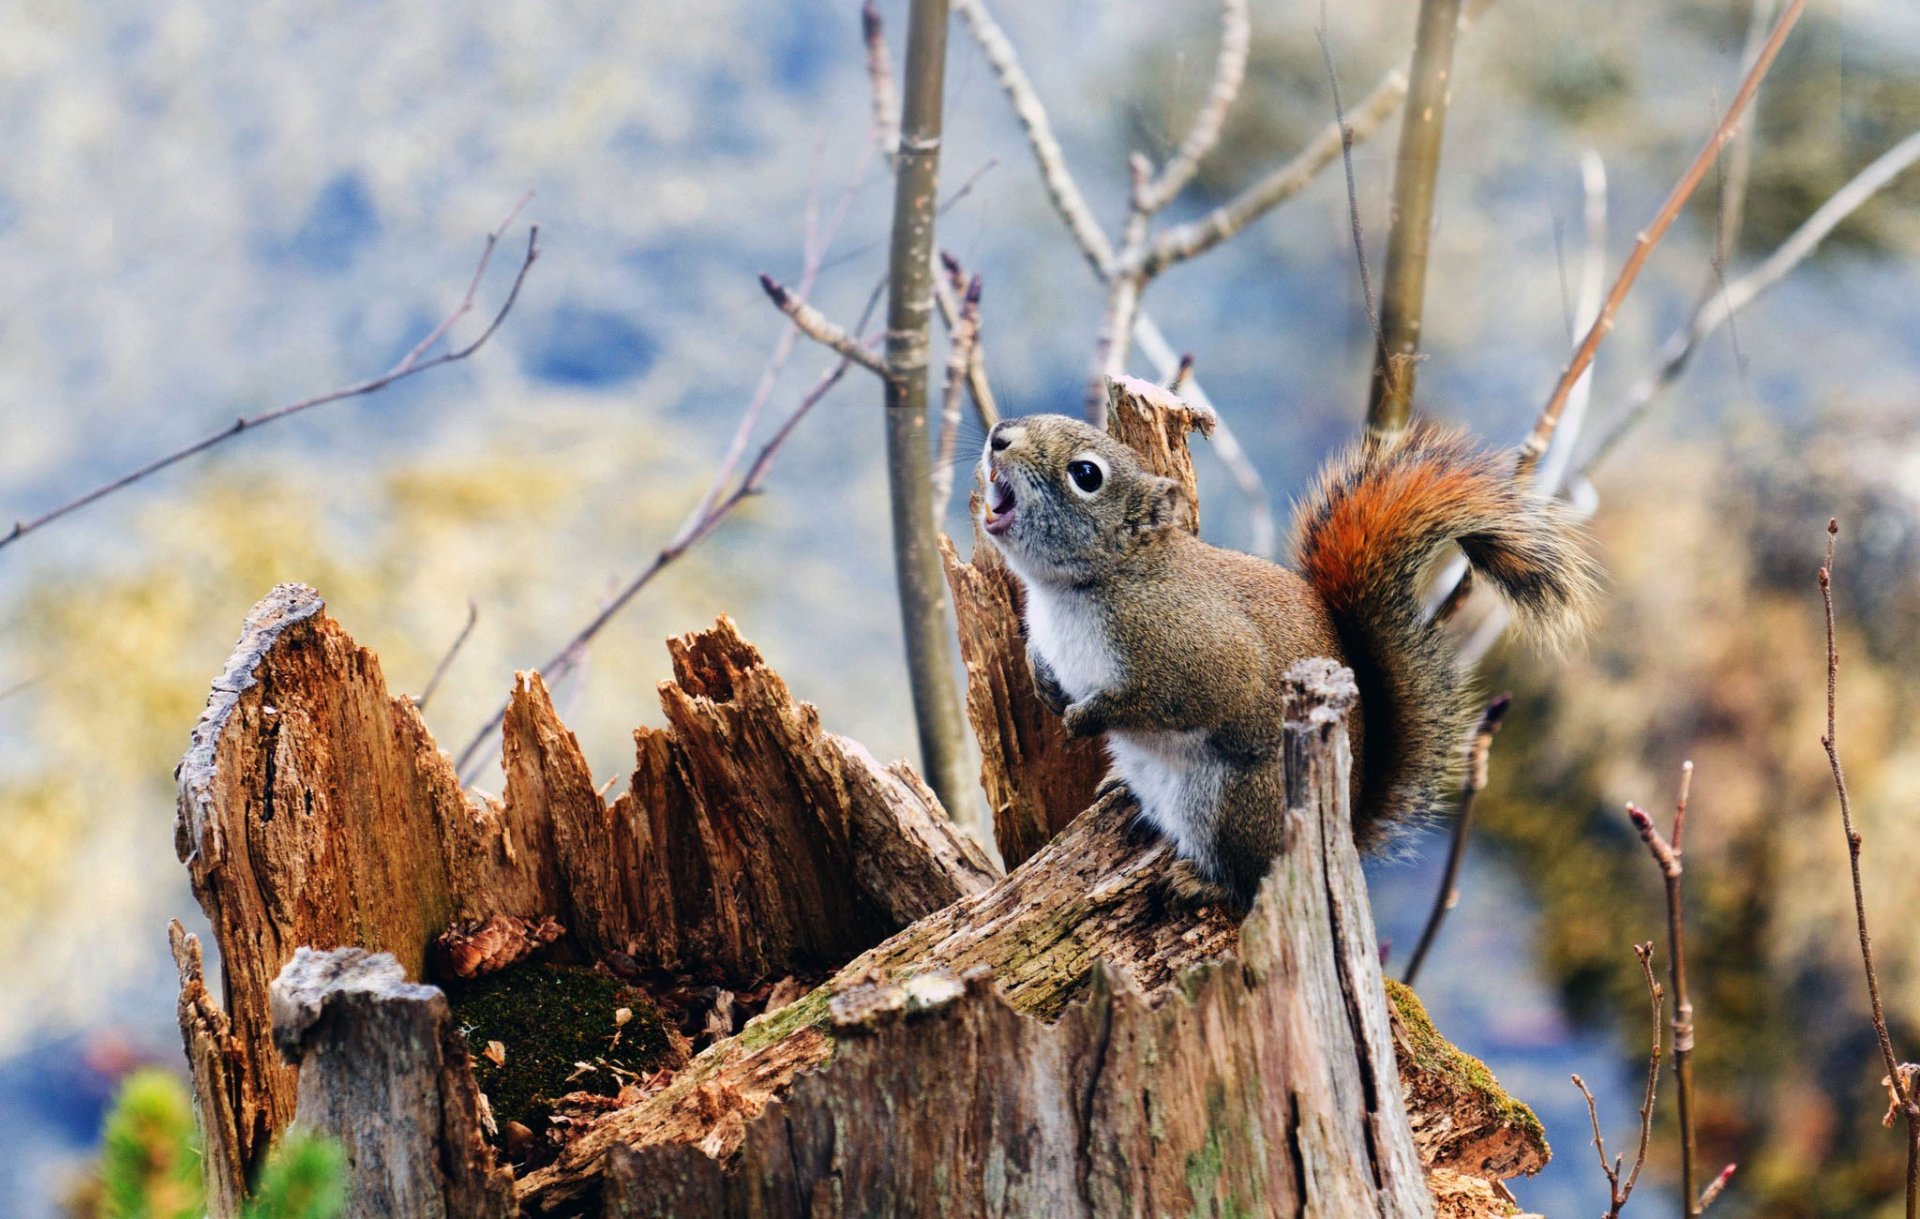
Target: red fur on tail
(1366, 536)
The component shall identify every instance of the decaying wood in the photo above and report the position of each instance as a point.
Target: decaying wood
(1113, 1050)
(228, 1115)
(475, 950)
(384, 1073)
(1036, 777)
(1068, 1039)
(1154, 423)
(1463, 1123)
(315, 810)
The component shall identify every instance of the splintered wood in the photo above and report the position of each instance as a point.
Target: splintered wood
(1068, 1039)
(316, 811)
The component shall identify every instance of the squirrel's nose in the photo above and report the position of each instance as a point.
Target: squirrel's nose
(1003, 437)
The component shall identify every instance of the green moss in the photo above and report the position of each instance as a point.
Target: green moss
(548, 1018)
(1207, 1168)
(1434, 1055)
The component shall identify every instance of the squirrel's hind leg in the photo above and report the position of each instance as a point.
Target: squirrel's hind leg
(1250, 822)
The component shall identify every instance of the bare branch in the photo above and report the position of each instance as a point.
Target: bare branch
(1229, 71)
(1065, 193)
(1739, 162)
(1645, 953)
(1415, 182)
(1197, 237)
(1593, 282)
(1536, 443)
(411, 365)
(1475, 781)
(918, 574)
(886, 99)
(1718, 309)
(1666, 855)
(960, 349)
(1902, 1085)
(818, 327)
(1620, 1188)
(446, 661)
(979, 390)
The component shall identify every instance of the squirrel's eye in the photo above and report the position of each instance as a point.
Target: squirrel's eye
(1086, 475)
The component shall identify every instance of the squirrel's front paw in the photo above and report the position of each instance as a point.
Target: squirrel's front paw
(1083, 719)
(1187, 884)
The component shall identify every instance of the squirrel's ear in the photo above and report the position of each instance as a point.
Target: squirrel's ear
(1166, 498)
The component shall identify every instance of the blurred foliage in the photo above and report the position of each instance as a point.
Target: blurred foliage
(150, 1163)
(1713, 649)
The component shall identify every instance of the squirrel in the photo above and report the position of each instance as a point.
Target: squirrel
(1174, 649)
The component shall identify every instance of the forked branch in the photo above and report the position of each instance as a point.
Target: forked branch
(1620, 1179)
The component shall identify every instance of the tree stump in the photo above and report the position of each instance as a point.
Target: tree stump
(382, 1071)
(937, 1038)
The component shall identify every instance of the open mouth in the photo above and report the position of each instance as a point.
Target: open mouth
(1000, 506)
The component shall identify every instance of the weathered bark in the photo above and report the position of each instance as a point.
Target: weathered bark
(1155, 423)
(229, 1114)
(315, 810)
(1066, 1043)
(384, 1073)
(1036, 777)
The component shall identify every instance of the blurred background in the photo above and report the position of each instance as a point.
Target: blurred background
(208, 207)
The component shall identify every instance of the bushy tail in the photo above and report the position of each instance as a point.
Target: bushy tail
(1365, 537)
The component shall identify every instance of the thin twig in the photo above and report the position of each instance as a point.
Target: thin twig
(1620, 1188)
(959, 360)
(822, 329)
(1536, 443)
(1901, 1084)
(1666, 855)
(1229, 71)
(1353, 194)
(1718, 309)
(693, 529)
(1403, 283)
(1475, 781)
(979, 390)
(446, 661)
(1731, 213)
(1593, 283)
(1065, 193)
(886, 99)
(412, 364)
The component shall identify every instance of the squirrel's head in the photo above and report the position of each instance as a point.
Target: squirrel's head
(1064, 501)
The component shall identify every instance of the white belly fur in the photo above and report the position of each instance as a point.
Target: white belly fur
(1177, 779)
(1069, 633)
(1174, 775)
